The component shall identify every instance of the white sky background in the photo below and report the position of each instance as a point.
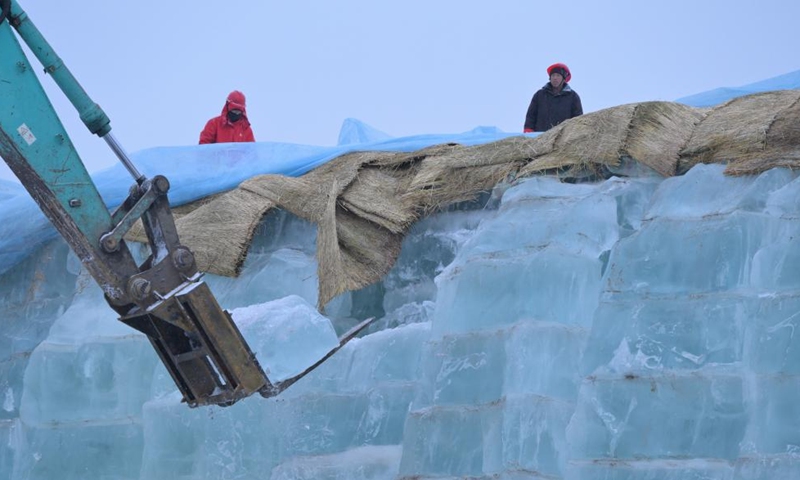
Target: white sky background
(161, 69)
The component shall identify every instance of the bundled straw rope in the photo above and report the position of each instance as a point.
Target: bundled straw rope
(750, 134)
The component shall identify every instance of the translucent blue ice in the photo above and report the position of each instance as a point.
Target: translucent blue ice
(636, 328)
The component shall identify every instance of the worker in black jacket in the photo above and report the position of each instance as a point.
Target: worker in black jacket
(553, 103)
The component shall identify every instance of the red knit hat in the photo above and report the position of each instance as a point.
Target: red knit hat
(560, 68)
(236, 101)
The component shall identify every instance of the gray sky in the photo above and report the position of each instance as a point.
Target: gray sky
(161, 69)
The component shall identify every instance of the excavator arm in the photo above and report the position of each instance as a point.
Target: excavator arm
(164, 297)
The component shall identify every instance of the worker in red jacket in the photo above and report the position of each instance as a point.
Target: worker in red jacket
(232, 125)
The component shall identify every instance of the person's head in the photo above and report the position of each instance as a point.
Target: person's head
(235, 106)
(559, 74)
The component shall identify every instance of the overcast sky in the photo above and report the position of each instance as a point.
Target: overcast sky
(161, 69)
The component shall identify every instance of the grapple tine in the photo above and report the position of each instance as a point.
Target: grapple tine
(270, 390)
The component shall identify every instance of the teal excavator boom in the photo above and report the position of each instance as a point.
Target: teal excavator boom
(163, 297)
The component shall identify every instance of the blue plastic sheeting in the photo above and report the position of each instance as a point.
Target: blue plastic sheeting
(356, 131)
(789, 81)
(197, 171)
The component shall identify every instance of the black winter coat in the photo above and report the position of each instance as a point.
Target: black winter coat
(548, 109)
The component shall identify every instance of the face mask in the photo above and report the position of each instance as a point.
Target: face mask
(234, 116)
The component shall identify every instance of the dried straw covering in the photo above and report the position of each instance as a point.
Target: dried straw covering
(749, 134)
(363, 203)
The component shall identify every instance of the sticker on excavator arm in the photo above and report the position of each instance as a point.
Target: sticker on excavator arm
(26, 134)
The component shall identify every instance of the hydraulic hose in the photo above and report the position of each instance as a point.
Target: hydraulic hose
(6, 8)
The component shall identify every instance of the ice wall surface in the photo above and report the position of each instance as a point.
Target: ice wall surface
(636, 328)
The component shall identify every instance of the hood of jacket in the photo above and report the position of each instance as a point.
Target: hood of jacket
(235, 101)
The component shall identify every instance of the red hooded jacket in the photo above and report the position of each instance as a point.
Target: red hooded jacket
(221, 130)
